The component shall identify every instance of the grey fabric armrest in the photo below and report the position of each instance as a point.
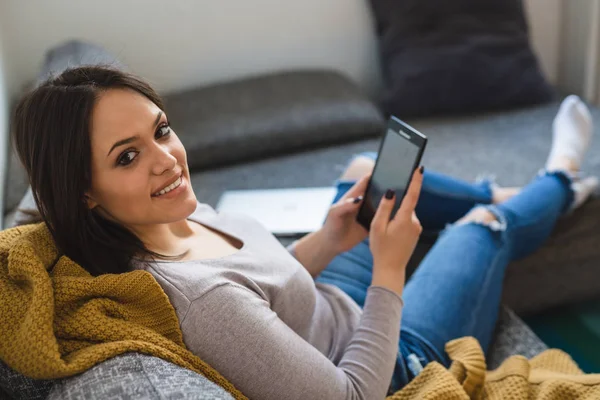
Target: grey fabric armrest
(511, 337)
(270, 115)
(137, 376)
(27, 211)
(19, 387)
(564, 271)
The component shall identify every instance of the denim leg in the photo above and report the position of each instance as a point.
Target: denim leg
(443, 200)
(532, 215)
(456, 290)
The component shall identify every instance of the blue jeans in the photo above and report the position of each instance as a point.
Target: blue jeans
(456, 290)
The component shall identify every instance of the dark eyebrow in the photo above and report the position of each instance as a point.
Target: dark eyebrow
(133, 138)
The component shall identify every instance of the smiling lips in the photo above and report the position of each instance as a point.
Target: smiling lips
(170, 187)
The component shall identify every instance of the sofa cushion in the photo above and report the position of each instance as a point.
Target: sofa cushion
(270, 115)
(444, 56)
(511, 145)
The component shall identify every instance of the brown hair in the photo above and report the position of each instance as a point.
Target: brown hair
(51, 133)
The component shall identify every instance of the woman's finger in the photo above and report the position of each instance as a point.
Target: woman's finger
(382, 215)
(416, 222)
(412, 195)
(415, 219)
(347, 206)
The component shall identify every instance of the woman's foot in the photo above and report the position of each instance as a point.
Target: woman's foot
(572, 133)
(571, 136)
(583, 189)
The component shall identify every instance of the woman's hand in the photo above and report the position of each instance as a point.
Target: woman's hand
(392, 242)
(341, 231)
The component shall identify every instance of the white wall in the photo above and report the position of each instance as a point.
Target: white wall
(178, 43)
(579, 66)
(576, 26)
(545, 28)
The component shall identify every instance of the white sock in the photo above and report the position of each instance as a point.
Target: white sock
(583, 189)
(572, 132)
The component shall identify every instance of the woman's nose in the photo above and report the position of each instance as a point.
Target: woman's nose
(164, 160)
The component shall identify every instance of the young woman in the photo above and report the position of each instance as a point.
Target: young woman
(322, 320)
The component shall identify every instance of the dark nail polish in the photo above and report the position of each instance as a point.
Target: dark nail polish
(357, 199)
(422, 169)
(389, 194)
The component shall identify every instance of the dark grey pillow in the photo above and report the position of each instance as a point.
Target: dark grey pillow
(69, 54)
(76, 53)
(270, 115)
(456, 56)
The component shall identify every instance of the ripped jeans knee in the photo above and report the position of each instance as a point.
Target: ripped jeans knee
(497, 224)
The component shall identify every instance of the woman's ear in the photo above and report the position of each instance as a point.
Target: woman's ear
(91, 203)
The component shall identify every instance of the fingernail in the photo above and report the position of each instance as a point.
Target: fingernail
(389, 194)
(422, 169)
(357, 199)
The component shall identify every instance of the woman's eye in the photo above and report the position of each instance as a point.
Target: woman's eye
(162, 131)
(127, 157)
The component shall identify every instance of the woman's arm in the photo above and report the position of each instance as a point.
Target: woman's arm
(340, 232)
(313, 252)
(235, 331)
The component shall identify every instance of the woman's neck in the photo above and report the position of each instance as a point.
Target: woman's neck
(166, 239)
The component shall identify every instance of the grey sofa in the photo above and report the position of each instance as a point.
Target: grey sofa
(299, 129)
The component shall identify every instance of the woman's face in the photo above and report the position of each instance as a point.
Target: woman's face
(139, 167)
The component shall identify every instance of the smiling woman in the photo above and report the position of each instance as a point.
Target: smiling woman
(322, 320)
(113, 128)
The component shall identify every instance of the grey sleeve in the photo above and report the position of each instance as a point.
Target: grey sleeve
(234, 330)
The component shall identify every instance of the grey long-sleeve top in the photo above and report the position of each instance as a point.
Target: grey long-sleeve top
(259, 318)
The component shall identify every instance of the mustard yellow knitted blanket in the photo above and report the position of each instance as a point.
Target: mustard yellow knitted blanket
(552, 375)
(57, 320)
